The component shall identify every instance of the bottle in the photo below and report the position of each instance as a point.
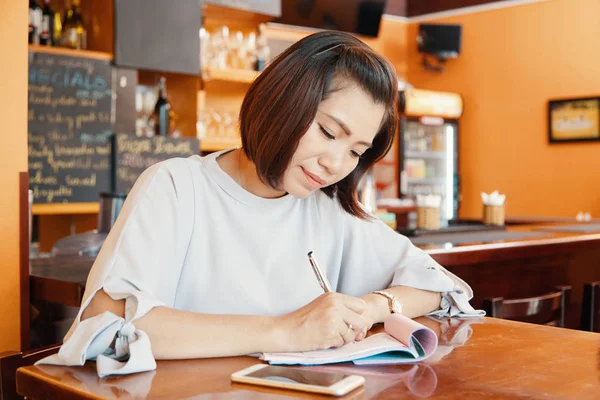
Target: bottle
(31, 29)
(47, 33)
(161, 110)
(250, 48)
(74, 34)
(57, 26)
(263, 52)
(35, 22)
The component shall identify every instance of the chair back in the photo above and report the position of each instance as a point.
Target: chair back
(13, 360)
(548, 309)
(590, 307)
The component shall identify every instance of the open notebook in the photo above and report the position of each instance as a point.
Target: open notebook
(404, 341)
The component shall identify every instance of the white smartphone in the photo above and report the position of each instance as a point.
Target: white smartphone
(299, 379)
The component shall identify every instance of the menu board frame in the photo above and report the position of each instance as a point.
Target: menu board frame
(70, 112)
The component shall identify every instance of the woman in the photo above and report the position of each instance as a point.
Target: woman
(208, 257)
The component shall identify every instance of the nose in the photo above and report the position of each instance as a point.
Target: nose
(332, 161)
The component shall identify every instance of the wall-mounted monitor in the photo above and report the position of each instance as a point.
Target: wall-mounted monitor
(361, 17)
(440, 40)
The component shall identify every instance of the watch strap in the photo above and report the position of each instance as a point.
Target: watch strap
(390, 297)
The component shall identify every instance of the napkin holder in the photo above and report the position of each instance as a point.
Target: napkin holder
(493, 215)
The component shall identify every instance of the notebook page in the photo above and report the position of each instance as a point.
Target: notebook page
(375, 344)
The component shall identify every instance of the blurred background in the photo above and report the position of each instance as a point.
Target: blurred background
(499, 105)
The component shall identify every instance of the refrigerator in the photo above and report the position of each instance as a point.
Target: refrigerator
(428, 148)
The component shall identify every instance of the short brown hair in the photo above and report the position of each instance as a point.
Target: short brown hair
(282, 102)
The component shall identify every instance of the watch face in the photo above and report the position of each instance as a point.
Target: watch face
(397, 306)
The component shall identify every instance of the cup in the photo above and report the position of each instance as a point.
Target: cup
(428, 218)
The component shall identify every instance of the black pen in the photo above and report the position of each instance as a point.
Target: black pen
(321, 277)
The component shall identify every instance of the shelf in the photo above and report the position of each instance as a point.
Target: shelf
(218, 144)
(65, 208)
(426, 180)
(230, 75)
(425, 154)
(64, 51)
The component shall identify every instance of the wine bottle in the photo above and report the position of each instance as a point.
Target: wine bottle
(35, 22)
(47, 33)
(161, 110)
(74, 34)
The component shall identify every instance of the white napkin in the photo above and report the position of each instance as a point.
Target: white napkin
(431, 200)
(583, 217)
(493, 199)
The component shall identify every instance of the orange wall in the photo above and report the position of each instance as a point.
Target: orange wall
(513, 60)
(13, 159)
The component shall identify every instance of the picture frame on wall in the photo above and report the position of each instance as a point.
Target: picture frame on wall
(574, 120)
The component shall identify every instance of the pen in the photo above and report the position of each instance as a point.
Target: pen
(321, 277)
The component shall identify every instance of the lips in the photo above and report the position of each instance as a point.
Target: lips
(313, 180)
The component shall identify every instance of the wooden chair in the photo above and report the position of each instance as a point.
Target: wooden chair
(590, 307)
(13, 360)
(548, 309)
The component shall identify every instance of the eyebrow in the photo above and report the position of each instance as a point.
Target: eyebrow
(347, 130)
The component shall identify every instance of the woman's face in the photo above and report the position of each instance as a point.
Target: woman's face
(343, 129)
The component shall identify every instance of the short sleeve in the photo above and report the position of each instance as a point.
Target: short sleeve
(379, 257)
(141, 262)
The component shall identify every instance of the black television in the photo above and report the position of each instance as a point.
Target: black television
(361, 17)
(440, 40)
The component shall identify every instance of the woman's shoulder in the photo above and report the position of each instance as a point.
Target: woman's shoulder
(174, 173)
(178, 166)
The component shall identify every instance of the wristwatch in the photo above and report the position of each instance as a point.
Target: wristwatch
(394, 303)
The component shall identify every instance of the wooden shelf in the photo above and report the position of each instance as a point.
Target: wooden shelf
(230, 75)
(65, 208)
(64, 51)
(218, 144)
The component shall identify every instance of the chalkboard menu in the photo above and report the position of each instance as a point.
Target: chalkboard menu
(133, 154)
(69, 128)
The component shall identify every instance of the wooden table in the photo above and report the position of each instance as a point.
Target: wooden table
(479, 358)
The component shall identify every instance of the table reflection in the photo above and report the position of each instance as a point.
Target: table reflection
(419, 379)
(135, 386)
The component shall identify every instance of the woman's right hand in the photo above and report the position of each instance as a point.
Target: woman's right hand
(324, 323)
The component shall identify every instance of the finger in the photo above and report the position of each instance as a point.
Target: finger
(355, 304)
(358, 322)
(347, 333)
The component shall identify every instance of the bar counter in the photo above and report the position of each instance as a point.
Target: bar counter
(527, 266)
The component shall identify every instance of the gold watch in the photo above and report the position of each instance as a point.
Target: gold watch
(394, 303)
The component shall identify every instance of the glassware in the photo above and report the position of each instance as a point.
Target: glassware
(214, 124)
(204, 120)
(235, 51)
(227, 124)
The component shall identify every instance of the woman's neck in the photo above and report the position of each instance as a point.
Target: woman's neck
(243, 171)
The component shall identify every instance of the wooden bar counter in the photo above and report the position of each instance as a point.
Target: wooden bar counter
(526, 266)
(511, 268)
(481, 358)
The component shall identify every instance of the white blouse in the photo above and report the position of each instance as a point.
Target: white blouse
(189, 237)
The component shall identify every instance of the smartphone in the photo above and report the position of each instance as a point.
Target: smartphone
(305, 380)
